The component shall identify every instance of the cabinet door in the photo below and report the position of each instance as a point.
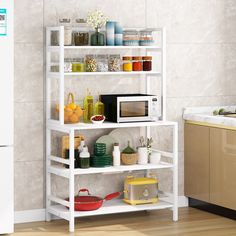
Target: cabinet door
(223, 167)
(196, 161)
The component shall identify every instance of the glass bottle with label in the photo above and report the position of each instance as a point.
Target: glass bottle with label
(99, 107)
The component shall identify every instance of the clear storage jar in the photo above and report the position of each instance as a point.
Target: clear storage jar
(78, 64)
(81, 38)
(67, 31)
(146, 38)
(102, 63)
(131, 38)
(114, 63)
(68, 65)
(91, 63)
(127, 64)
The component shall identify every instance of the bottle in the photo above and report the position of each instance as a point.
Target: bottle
(116, 155)
(84, 158)
(99, 107)
(88, 107)
(82, 144)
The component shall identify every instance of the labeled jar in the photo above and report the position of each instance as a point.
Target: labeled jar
(68, 65)
(131, 38)
(127, 64)
(147, 63)
(67, 31)
(114, 63)
(146, 38)
(102, 63)
(137, 64)
(91, 63)
(81, 38)
(78, 64)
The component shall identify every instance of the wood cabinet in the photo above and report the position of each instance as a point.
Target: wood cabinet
(210, 165)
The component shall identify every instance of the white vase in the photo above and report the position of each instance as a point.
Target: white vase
(142, 155)
(155, 158)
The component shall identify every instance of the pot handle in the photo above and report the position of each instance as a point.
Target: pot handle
(112, 195)
(84, 190)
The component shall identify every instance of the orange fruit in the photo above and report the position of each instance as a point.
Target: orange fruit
(68, 111)
(78, 111)
(72, 106)
(74, 118)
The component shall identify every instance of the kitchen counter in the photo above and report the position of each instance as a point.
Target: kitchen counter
(204, 116)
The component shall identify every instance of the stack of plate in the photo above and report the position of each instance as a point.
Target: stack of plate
(100, 158)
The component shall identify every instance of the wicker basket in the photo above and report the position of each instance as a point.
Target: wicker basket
(129, 159)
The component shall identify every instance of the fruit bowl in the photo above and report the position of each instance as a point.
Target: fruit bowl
(98, 119)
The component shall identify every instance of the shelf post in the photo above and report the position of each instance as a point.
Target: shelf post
(163, 74)
(48, 175)
(175, 172)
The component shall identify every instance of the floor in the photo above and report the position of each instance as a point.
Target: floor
(192, 222)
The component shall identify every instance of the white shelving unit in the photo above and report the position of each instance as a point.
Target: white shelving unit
(65, 209)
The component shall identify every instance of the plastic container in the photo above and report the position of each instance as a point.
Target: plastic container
(102, 63)
(137, 64)
(127, 64)
(147, 63)
(131, 38)
(91, 63)
(114, 63)
(146, 38)
(78, 64)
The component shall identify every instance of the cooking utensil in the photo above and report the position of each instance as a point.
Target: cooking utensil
(90, 203)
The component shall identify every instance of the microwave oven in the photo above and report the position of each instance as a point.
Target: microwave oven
(130, 107)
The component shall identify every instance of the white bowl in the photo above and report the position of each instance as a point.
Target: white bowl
(97, 121)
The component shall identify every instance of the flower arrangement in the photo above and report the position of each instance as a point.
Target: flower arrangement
(96, 19)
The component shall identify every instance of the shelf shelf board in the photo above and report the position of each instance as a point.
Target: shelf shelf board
(62, 171)
(57, 48)
(55, 125)
(109, 207)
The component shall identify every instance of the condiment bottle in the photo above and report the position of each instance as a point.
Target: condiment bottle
(82, 144)
(99, 107)
(116, 155)
(88, 107)
(84, 158)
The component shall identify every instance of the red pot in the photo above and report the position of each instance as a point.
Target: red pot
(90, 203)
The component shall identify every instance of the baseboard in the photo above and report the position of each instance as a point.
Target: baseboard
(39, 214)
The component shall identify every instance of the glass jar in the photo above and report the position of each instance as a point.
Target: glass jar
(91, 63)
(114, 63)
(130, 38)
(81, 38)
(137, 64)
(67, 31)
(102, 63)
(147, 63)
(78, 64)
(127, 64)
(55, 38)
(146, 38)
(68, 65)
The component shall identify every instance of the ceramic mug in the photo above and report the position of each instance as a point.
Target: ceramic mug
(142, 155)
(155, 158)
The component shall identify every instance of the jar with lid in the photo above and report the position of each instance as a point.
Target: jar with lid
(137, 64)
(68, 65)
(130, 38)
(146, 38)
(102, 63)
(78, 64)
(114, 63)
(147, 63)
(67, 31)
(91, 63)
(127, 64)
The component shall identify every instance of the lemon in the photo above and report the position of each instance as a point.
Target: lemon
(72, 106)
(78, 111)
(68, 111)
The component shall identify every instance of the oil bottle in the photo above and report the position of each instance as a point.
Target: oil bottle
(88, 107)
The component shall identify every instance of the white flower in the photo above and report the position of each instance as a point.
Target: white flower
(96, 19)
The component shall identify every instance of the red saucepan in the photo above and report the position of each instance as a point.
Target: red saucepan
(90, 203)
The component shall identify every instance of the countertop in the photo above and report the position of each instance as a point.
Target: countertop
(204, 116)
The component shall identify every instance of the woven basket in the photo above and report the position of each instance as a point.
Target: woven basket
(129, 159)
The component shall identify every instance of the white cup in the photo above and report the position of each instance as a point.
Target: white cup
(142, 155)
(155, 158)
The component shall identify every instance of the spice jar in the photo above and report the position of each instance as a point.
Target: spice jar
(147, 63)
(137, 64)
(78, 64)
(67, 31)
(127, 64)
(68, 65)
(114, 63)
(146, 38)
(91, 63)
(81, 38)
(102, 63)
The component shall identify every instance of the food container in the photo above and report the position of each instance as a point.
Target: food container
(91, 63)
(102, 63)
(127, 64)
(140, 190)
(146, 38)
(78, 64)
(67, 31)
(147, 63)
(130, 38)
(81, 38)
(68, 65)
(114, 63)
(137, 64)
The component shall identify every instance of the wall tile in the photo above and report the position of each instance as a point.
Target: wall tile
(29, 131)
(29, 21)
(29, 75)
(29, 185)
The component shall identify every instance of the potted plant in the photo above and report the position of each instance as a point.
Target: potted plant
(96, 19)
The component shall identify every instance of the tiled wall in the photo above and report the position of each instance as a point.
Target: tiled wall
(201, 68)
